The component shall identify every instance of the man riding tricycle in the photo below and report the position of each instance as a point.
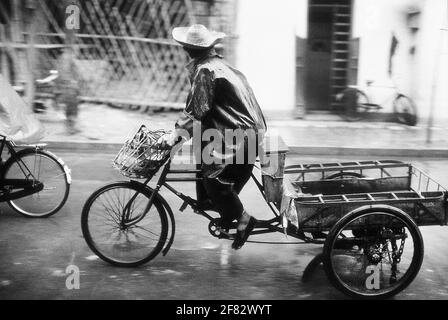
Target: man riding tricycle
(364, 213)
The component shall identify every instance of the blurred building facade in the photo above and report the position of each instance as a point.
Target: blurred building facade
(299, 53)
(122, 49)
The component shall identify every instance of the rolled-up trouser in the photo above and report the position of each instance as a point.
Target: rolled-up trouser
(223, 185)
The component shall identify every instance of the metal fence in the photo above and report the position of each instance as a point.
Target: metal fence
(124, 53)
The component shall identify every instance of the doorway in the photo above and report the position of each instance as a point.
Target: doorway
(328, 53)
(318, 58)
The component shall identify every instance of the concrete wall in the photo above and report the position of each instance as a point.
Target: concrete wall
(413, 71)
(266, 32)
(265, 49)
(432, 60)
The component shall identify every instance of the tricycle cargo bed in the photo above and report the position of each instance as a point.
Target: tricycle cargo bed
(353, 185)
(344, 188)
(321, 213)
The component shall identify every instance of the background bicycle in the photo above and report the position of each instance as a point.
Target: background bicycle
(358, 102)
(34, 182)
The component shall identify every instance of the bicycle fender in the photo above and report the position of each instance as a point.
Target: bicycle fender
(379, 207)
(384, 207)
(170, 214)
(67, 170)
(173, 226)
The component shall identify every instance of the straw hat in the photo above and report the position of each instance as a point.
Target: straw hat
(197, 36)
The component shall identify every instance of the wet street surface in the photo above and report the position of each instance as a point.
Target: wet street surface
(34, 253)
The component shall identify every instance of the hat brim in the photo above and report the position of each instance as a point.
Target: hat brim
(180, 36)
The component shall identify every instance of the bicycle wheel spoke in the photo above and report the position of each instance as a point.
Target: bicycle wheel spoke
(139, 227)
(55, 177)
(112, 215)
(113, 207)
(146, 236)
(114, 204)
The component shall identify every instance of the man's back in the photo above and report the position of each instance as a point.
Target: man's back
(223, 96)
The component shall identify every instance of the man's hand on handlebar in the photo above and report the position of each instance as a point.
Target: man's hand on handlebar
(169, 140)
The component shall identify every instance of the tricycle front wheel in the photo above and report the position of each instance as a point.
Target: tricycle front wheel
(117, 227)
(373, 253)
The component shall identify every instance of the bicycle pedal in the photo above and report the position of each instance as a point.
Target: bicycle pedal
(183, 206)
(225, 235)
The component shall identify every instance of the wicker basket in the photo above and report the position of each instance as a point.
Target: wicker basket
(140, 157)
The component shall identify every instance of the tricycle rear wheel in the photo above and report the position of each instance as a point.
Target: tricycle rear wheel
(379, 262)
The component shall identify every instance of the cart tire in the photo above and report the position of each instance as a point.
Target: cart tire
(311, 267)
(397, 286)
(344, 175)
(107, 253)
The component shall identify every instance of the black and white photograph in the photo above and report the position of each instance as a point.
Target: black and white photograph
(223, 155)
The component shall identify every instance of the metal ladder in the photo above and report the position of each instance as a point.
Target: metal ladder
(340, 50)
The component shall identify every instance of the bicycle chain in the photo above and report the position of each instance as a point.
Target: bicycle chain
(397, 256)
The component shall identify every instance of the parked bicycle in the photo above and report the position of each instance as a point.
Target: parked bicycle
(34, 182)
(357, 104)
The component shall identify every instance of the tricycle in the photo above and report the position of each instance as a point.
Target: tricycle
(365, 213)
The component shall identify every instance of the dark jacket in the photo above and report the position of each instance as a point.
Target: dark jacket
(220, 98)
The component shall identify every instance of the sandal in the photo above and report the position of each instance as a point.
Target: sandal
(241, 236)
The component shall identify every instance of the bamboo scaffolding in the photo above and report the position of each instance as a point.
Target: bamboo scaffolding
(140, 65)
